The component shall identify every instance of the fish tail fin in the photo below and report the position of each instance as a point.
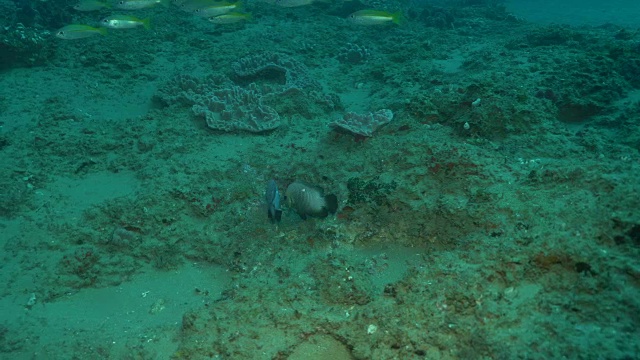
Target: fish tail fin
(331, 203)
(275, 215)
(103, 31)
(146, 23)
(397, 18)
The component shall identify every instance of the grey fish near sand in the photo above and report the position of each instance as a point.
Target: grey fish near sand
(272, 195)
(309, 200)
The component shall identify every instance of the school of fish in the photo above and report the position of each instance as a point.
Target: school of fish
(216, 12)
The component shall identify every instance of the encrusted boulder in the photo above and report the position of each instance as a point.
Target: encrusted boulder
(236, 108)
(362, 124)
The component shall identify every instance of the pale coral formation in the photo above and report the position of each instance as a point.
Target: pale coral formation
(353, 54)
(264, 87)
(236, 108)
(362, 124)
(224, 106)
(276, 73)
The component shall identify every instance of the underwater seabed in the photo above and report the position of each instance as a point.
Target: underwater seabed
(495, 217)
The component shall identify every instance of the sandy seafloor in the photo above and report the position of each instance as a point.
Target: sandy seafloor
(131, 231)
